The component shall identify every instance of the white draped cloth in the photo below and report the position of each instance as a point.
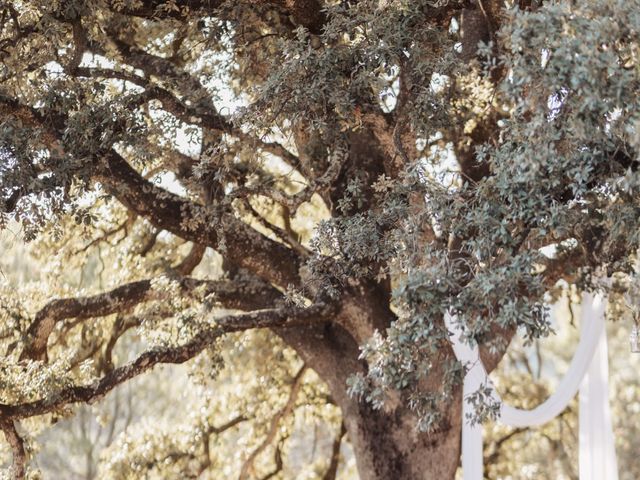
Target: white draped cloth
(588, 372)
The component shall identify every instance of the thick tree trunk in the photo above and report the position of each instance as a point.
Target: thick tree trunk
(388, 446)
(386, 443)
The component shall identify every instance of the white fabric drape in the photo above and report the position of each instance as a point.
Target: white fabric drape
(597, 447)
(471, 434)
(597, 453)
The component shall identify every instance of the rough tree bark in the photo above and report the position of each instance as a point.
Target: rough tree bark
(386, 442)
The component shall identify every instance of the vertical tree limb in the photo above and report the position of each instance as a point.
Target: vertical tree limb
(16, 443)
(331, 473)
(247, 467)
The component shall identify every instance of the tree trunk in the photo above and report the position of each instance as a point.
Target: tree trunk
(388, 446)
(386, 443)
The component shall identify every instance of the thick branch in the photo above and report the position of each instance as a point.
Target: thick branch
(119, 299)
(274, 318)
(239, 242)
(242, 293)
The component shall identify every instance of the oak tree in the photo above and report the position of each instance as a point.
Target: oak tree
(360, 169)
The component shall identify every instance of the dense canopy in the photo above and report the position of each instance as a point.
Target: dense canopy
(290, 195)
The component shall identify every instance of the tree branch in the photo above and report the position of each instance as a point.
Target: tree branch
(273, 318)
(277, 459)
(493, 457)
(242, 293)
(204, 117)
(215, 431)
(286, 235)
(124, 323)
(121, 325)
(225, 426)
(17, 447)
(107, 234)
(332, 471)
(192, 260)
(308, 13)
(189, 220)
(202, 108)
(248, 248)
(247, 466)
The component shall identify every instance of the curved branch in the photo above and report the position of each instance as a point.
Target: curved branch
(107, 234)
(119, 299)
(192, 260)
(272, 318)
(242, 293)
(121, 325)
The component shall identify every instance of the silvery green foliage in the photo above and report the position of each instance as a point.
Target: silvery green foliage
(355, 64)
(49, 181)
(564, 173)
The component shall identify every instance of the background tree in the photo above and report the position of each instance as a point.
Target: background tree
(359, 169)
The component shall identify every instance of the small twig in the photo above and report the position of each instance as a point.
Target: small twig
(106, 234)
(277, 458)
(572, 318)
(206, 439)
(496, 452)
(332, 471)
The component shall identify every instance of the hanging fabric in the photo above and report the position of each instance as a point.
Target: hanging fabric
(597, 447)
(597, 452)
